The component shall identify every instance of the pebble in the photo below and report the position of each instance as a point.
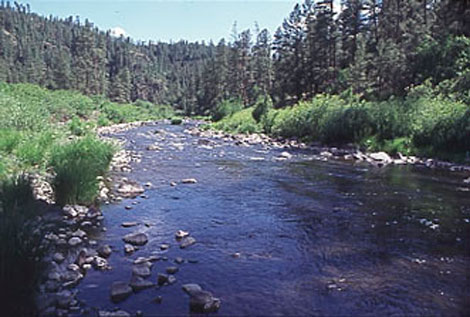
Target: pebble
(105, 251)
(120, 291)
(180, 234)
(128, 249)
(128, 224)
(164, 246)
(59, 258)
(74, 241)
(189, 181)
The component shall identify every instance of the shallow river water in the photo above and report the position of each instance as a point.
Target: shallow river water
(325, 238)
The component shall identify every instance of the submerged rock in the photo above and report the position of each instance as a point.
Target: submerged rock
(189, 181)
(138, 283)
(128, 249)
(105, 251)
(120, 291)
(118, 313)
(136, 238)
(180, 234)
(172, 269)
(186, 242)
(142, 270)
(58, 257)
(128, 224)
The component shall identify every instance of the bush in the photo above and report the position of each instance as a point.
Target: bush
(21, 250)
(176, 121)
(77, 127)
(9, 140)
(262, 106)
(77, 165)
(226, 108)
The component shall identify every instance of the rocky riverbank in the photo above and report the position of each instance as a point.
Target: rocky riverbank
(73, 251)
(347, 153)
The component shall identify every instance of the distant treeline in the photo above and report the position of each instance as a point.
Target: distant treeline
(375, 49)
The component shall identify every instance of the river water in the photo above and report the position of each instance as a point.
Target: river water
(314, 237)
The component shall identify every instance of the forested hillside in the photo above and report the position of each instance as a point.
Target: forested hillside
(375, 49)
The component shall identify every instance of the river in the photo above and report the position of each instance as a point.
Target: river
(301, 236)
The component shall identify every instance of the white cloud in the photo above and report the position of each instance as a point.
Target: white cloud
(118, 31)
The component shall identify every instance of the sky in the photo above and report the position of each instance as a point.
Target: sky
(171, 20)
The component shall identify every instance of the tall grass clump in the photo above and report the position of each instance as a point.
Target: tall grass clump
(77, 165)
(21, 248)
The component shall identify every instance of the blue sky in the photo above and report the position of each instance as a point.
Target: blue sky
(165, 20)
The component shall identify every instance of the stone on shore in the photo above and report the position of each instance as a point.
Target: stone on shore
(180, 234)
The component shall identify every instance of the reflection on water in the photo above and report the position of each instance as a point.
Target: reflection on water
(314, 238)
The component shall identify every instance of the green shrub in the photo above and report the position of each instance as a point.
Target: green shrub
(9, 140)
(34, 147)
(226, 108)
(77, 127)
(22, 248)
(77, 165)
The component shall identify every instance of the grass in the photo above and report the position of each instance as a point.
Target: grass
(21, 250)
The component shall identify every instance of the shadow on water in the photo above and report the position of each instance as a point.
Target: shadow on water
(314, 238)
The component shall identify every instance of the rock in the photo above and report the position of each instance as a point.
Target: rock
(236, 255)
(74, 241)
(136, 238)
(158, 300)
(69, 211)
(180, 234)
(141, 260)
(128, 224)
(142, 270)
(128, 190)
(186, 242)
(189, 181)
(203, 302)
(138, 283)
(286, 155)
(86, 224)
(173, 184)
(52, 286)
(93, 213)
(72, 278)
(153, 147)
(64, 298)
(381, 156)
(58, 257)
(54, 276)
(179, 260)
(162, 279)
(105, 251)
(73, 267)
(172, 269)
(81, 257)
(192, 288)
(171, 279)
(100, 263)
(79, 233)
(128, 207)
(164, 246)
(128, 249)
(120, 291)
(154, 258)
(117, 313)
(139, 313)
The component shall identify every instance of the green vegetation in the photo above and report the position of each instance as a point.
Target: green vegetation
(419, 124)
(21, 250)
(32, 122)
(77, 165)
